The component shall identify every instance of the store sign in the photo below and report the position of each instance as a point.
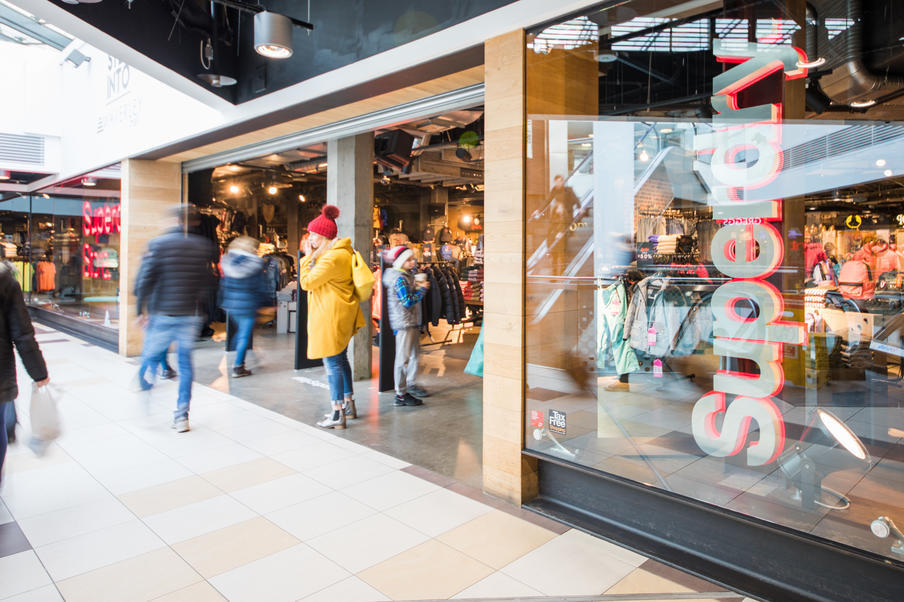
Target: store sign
(746, 154)
(98, 221)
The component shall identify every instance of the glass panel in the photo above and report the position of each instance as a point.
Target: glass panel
(75, 243)
(715, 274)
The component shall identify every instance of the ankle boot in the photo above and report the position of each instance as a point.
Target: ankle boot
(336, 420)
(349, 409)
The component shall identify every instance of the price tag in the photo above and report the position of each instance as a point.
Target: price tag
(657, 368)
(651, 336)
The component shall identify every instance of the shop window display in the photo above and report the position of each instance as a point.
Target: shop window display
(716, 304)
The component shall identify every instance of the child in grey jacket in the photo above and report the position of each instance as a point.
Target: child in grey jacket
(403, 299)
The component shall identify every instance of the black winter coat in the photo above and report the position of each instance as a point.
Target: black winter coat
(433, 308)
(176, 275)
(16, 330)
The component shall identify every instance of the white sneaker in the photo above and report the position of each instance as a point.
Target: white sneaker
(181, 425)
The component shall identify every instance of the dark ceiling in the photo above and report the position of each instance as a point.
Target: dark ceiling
(172, 33)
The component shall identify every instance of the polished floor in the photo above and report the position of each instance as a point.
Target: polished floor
(444, 435)
(254, 505)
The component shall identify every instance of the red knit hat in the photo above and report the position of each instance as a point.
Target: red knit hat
(325, 223)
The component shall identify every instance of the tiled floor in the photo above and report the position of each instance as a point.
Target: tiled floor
(251, 505)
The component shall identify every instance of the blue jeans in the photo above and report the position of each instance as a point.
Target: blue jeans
(146, 365)
(7, 411)
(162, 331)
(244, 326)
(339, 375)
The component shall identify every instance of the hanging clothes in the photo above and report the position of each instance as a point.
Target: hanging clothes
(655, 315)
(613, 307)
(46, 276)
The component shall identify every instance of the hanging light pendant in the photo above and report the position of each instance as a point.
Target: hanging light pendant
(273, 35)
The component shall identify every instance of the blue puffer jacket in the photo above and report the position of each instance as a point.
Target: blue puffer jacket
(243, 288)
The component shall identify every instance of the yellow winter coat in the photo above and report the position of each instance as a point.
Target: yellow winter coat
(334, 312)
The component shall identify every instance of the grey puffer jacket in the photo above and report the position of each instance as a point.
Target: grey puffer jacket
(401, 317)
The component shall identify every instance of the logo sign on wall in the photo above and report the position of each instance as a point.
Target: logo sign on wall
(853, 222)
(122, 108)
(747, 248)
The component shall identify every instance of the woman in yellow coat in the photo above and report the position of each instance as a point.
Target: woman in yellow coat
(334, 312)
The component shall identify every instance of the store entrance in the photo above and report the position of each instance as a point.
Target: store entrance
(428, 196)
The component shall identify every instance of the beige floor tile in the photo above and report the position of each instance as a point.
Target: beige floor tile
(644, 582)
(496, 538)
(144, 577)
(247, 474)
(169, 496)
(232, 547)
(431, 570)
(199, 592)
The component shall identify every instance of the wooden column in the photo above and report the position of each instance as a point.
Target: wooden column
(149, 189)
(506, 473)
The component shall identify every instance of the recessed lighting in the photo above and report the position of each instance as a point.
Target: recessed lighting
(89, 182)
(301, 198)
(272, 190)
(880, 162)
(45, 195)
(888, 173)
(216, 80)
(863, 104)
(644, 156)
(234, 189)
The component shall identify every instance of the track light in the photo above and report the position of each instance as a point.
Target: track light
(863, 104)
(273, 35)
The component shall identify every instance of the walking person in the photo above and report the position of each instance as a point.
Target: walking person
(171, 290)
(243, 290)
(166, 371)
(15, 331)
(404, 292)
(334, 312)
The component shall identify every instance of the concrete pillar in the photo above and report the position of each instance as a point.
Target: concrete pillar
(350, 186)
(149, 189)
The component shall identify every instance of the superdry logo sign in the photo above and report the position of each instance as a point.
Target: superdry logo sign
(745, 154)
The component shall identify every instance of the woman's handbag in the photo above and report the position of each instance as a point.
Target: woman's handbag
(362, 277)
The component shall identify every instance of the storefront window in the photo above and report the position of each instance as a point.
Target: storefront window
(715, 276)
(74, 253)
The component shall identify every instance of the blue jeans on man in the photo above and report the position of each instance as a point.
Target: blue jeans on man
(161, 333)
(339, 376)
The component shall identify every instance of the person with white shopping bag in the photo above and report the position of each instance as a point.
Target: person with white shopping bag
(15, 331)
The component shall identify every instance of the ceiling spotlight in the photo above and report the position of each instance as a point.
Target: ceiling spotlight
(234, 189)
(273, 35)
(45, 195)
(216, 80)
(862, 104)
(644, 156)
(819, 62)
(301, 198)
(887, 173)
(607, 57)
(89, 182)
(272, 190)
(81, 1)
(4, 174)
(880, 162)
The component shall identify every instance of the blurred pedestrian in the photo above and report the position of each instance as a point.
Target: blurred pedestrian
(334, 312)
(172, 288)
(15, 330)
(243, 290)
(404, 293)
(166, 371)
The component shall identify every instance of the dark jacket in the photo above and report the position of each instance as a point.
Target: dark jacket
(175, 275)
(433, 301)
(16, 329)
(243, 288)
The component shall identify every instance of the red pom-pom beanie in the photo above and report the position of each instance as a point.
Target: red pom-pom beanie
(325, 223)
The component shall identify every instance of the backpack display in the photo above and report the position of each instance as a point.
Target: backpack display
(362, 277)
(856, 280)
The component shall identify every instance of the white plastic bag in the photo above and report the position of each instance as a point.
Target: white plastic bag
(45, 418)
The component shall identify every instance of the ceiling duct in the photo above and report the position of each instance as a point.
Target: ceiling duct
(840, 40)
